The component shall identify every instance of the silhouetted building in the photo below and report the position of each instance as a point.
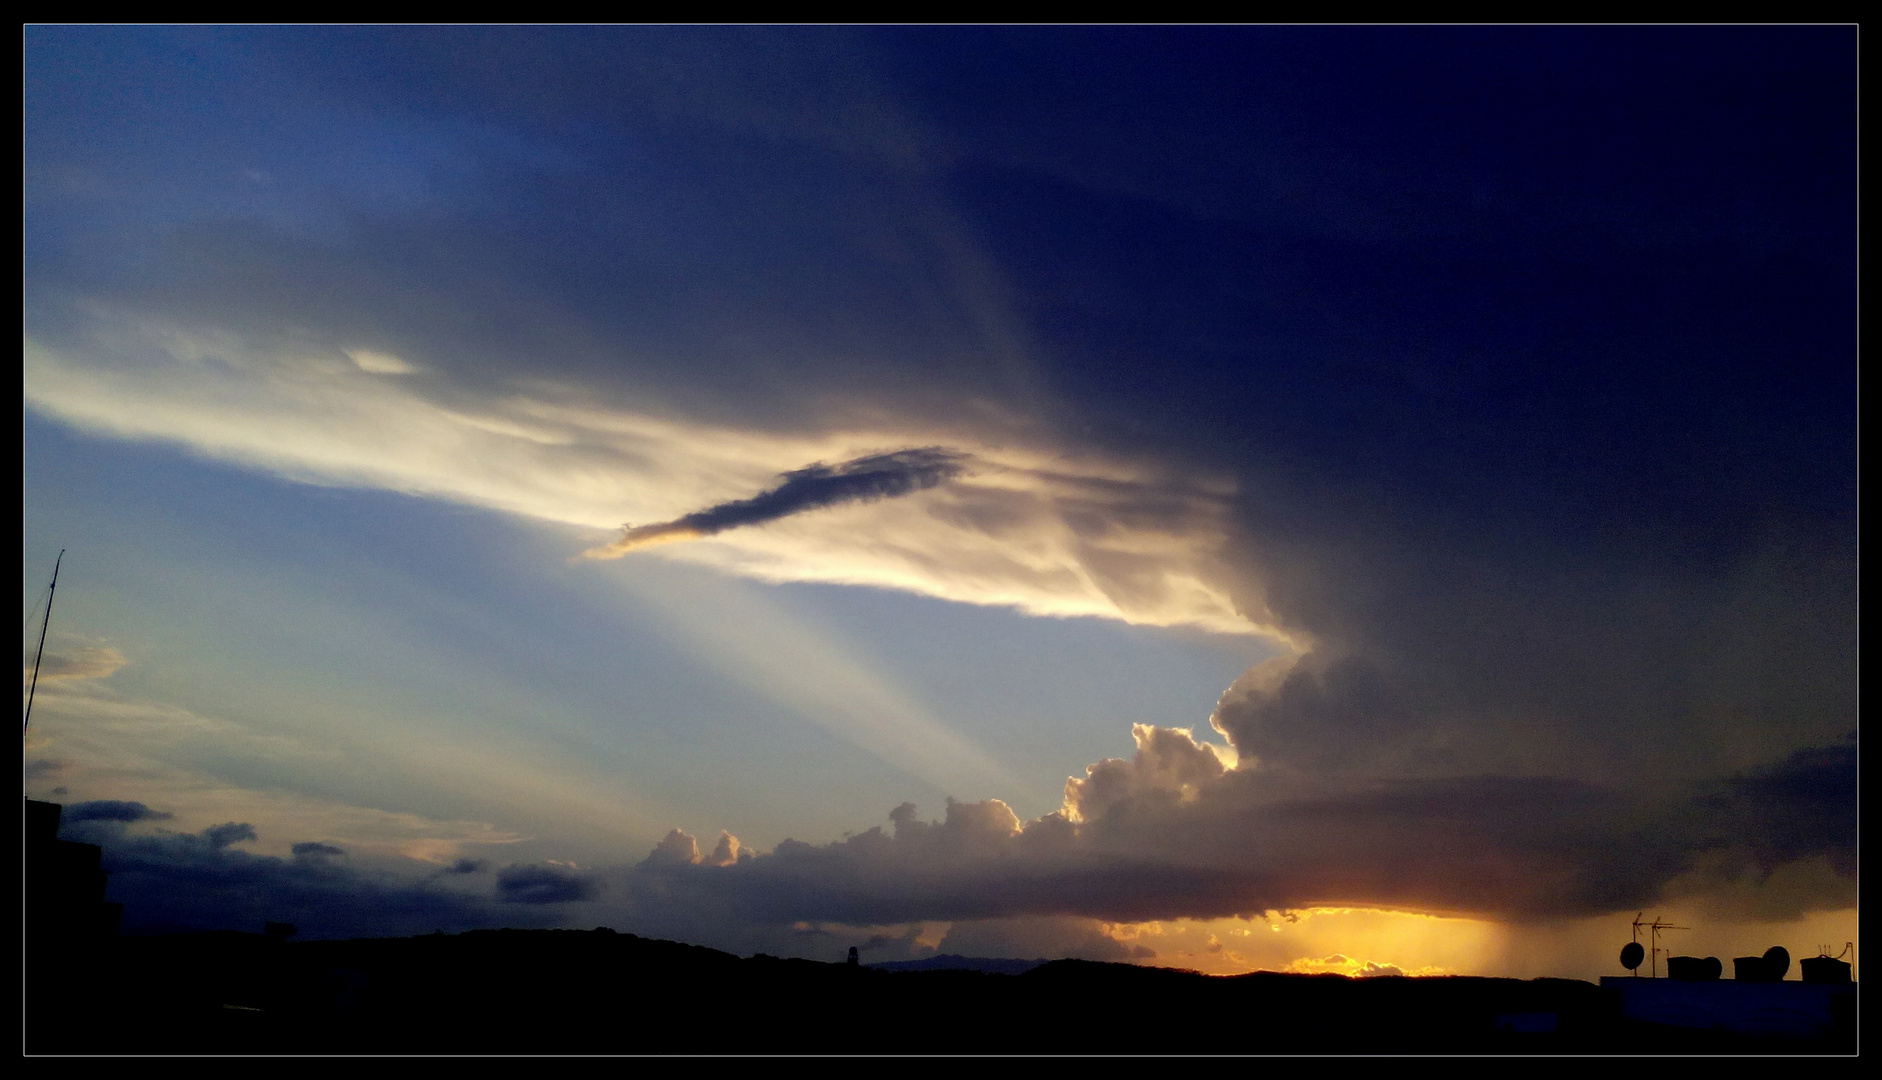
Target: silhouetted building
(65, 889)
(1750, 1007)
(68, 925)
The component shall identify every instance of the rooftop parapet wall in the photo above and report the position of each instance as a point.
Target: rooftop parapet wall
(1753, 1008)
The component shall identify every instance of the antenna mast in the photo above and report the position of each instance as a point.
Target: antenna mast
(43, 627)
(1654, 930)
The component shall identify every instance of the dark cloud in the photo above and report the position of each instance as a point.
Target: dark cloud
(181, 881)
(1802, 807)
(542, 884)
(864, 479)
(111, 810)
(1173, 833)
(1032, 937)
(467, 866)
(1170, 833)
(232, 832)
(1488, 648)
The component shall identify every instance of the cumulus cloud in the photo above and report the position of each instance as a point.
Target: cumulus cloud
(1341, 964)
(1172, 832)
(864, 479)
(726, 851)
(676, 848)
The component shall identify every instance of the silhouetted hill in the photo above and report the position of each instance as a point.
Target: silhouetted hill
(952, 962)
(567, 991)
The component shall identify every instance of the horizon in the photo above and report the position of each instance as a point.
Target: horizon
(1375, 500)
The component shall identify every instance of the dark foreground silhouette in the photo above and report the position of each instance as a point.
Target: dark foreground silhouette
(569, 991)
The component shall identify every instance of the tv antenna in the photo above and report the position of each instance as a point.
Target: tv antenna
(1632, 952)
(43, 627)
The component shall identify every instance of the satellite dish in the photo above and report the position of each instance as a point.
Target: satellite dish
(1777, 962)
(1632, 955)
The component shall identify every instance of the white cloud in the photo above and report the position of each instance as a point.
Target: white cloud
(1030, 527)
(379, 363)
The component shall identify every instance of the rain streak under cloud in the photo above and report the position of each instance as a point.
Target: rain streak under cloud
(1433, 448)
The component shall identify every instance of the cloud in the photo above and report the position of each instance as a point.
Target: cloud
(110, 810)
(1563, 542)
(1033, 938)
(543, 884)
(1036, 525)
(864, 479)
(1170, 833)
(76, 665)
(726, 851)
(1341, 964)
(676, 848)
(467, 866)
(1799, 808)
(1173, 833)
(197, 881)
(233, 832)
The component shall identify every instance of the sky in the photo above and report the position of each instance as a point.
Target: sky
(1361, 499)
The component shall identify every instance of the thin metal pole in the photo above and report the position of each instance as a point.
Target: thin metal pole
(43, 627)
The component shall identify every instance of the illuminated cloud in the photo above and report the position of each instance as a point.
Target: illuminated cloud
(1032, 526)
(75, 665)
(1172, 834)
(1340, 964)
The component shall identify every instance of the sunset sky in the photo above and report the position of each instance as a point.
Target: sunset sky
(1317, 499)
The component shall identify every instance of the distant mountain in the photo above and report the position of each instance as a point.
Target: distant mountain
(952, 962)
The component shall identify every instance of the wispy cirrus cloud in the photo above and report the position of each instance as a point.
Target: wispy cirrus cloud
(1030, 525)
(75, 664)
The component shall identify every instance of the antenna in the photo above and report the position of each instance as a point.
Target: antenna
(1631, 953)
(1653, 938)
(43, 627)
